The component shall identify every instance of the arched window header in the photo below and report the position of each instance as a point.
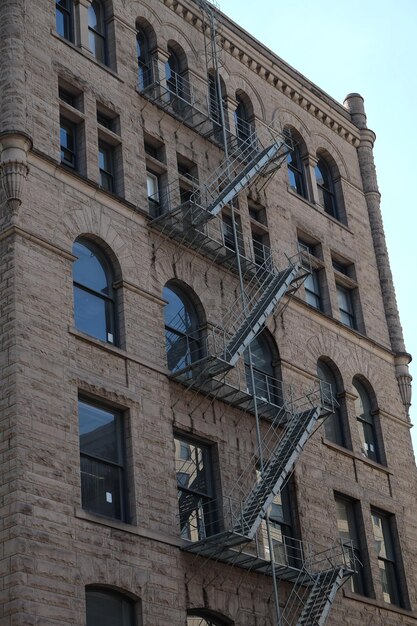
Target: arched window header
(105, 607)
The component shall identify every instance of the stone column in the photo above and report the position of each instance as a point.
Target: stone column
(15, 141)
(355, 105)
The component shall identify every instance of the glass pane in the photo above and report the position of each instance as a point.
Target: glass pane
(101, 487)
(181, 350)
(389, 582)
(152, 186)
(88, 270)
(63, 18)
(261, 355)
(108, 609)
(90, 314)
(94, 16)
(179, 313)
(192, 472)
(98, 432)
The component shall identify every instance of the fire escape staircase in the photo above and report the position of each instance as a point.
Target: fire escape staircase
(275, 472)
(321, 597)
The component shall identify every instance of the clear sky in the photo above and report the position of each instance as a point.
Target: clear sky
(370, 47)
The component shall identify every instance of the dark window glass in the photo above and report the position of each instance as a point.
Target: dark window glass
(244, 129)
(67, 136)
(333, 423)
(65, 96)
(344, 299)
(325, 188)
(366, 423)
(384, 546)
(228, 236)
(108, 608)
(106, 166)
(296, 172)
(102, 463)
(145, 73)
(93, 293)
(261, 250)
(64, 18)
(348, 533)
(182, 334)
(312, 290)
(267, 388)
(96, 31)
(198, 518)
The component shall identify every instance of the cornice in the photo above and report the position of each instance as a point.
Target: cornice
(275, 72)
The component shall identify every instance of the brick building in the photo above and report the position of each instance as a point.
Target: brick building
(205, 387)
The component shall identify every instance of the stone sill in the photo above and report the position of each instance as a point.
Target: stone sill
(86, 55)
(110, 348)
(128, 528)
(317, 208)
(349, 453)
(381, 605)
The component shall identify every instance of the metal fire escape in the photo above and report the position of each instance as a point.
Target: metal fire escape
(285, 418)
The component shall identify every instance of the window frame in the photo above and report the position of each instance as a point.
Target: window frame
(193, 336)
(358, 581)
(68, 20)
(106, 173)
(334, 424)
(98, 34)
(109, 299)
(346, 315)
(67, 124)
(326, 189)
(392, 559)
(366, 419)
(144, 60)
(206, 502)
(120, 466)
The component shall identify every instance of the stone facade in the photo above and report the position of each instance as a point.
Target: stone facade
(52, 548)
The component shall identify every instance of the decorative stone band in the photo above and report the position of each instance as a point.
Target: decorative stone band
(404, 378)
(13, 166)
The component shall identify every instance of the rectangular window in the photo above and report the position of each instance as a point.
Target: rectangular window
(196, 497)
(347, 525)
(103, 482)
(387, 562)
(106, 166)
(344, 299)
(152, 186)
(63, 10)
(227, 231)
(68, 144)
(312, 290)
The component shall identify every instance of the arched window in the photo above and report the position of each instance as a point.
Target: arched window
(333, 427)
(64, 18)
(243, 116)
(265, 359)
(97, 31)
(145, 70)
(94, 298)
(105, 607)
(325, 187)
(366, 424)
(176, 73)
(182, 328)
(206, 618)
(295, 166)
